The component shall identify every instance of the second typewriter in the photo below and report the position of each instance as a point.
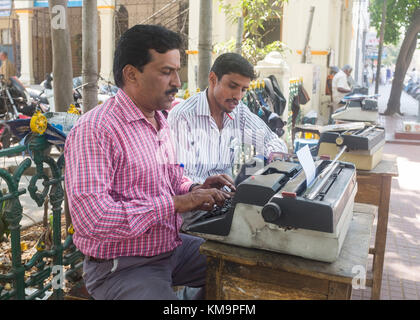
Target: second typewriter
(274, 210)
(364, 146)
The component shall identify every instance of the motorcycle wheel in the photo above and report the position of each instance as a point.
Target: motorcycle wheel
(6, 138)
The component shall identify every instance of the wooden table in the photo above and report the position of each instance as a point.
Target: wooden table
(241, 273)
(374, 187)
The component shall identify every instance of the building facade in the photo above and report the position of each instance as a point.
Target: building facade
(26, 31)
(336, 38)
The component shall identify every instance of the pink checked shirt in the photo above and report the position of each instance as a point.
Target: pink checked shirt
(120, 177)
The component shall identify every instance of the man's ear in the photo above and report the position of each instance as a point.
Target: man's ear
(130, 74)
(212, 79)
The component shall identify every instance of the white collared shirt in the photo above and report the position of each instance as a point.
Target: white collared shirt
(339, 81)
(204, 150)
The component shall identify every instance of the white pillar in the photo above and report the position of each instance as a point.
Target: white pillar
(194, 11)
(106, 16)
(26, 54)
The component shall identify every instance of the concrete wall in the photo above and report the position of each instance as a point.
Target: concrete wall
(331, 43)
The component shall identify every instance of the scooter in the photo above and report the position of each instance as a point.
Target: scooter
(44, 93)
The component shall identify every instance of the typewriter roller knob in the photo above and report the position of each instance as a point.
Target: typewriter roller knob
(339, 141)
(271, 212)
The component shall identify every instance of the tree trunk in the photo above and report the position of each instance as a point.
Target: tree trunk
(204, 43)
(90, 55)
(405, 56)
(61, 51)
(381, 44)
(239, 35)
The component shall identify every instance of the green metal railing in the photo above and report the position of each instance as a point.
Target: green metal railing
(46, 261)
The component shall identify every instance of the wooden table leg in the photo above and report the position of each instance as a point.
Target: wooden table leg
(339, 291)
(380, 239)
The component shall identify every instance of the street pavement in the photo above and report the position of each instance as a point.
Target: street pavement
(401, 274)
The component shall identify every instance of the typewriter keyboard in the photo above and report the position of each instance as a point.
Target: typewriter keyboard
(218, 210)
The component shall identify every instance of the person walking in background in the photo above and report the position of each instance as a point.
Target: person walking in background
(7, 68)
(388, 75)
(413, 75)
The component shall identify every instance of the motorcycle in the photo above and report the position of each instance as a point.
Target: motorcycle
(105, 91)
(15, 103)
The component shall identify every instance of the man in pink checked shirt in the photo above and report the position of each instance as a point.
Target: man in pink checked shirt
(125, 191)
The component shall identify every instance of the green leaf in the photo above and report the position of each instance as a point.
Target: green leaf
(398, 17)
(256, 13)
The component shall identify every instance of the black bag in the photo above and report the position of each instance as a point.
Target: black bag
(295, 110)
(303, 96)
(271, 119)
(276, 96)
(274, 122)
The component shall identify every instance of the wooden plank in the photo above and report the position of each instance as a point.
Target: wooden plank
(266, 275)
(213, 288)
(374, 187)
(367, 189)
(380, 240)
(339, 291)
(354, 252)
(407, 135)
(238, 288)
(385, 167)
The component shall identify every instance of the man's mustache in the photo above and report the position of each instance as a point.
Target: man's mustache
(173, 90)
(232, 100)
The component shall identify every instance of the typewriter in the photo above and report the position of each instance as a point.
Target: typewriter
(364, 145)
(273, 209)
(359, 106)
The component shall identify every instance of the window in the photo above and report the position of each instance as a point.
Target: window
(6, 36)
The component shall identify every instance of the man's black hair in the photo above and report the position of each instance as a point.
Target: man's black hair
(133, 47)
(232, 63)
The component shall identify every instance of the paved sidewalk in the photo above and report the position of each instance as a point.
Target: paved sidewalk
(401, 274)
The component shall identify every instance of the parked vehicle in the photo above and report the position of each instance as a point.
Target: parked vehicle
(16, 103)
(47, 94)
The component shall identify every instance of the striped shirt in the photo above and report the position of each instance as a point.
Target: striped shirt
(204, 149)
(120, 177)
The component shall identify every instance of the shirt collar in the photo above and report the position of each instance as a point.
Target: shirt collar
(130, 111)
(203, 108)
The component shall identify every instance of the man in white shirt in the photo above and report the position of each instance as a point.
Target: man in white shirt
(413, 75)
(340, 85)
(210, 127)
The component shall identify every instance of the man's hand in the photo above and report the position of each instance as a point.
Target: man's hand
(200, 199)
(279, 156)
(218, 181)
